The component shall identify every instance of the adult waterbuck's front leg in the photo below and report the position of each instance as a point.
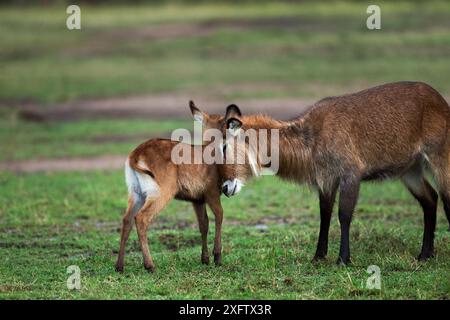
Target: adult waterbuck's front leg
(348, 197)
(327, 199)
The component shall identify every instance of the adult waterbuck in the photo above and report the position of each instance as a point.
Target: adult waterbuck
(392, 130)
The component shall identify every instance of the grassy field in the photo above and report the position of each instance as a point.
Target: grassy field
(310, 49)
(49, 221)
(22, 140)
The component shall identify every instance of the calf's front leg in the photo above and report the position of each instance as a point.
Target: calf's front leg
(203, 224)
(216, 207)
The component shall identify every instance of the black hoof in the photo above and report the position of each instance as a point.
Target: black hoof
(318, 258)
(150, 269)
(425, 256)
(119, 269)
(218, 259)
(343, 261)
(205, 260)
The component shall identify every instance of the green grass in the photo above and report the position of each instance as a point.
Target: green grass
(23, 140)
(308, 49)
(51, 221)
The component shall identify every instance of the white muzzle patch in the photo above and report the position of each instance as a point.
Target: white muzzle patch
(232, 187)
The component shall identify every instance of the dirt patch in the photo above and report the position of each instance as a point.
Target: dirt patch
(103, 42)
(106, 162)
(38, 245)
(174, 105)
(162, 106)
(114, 138)
(14, 288)
(174, 242)
(125, 138)
(183, 30)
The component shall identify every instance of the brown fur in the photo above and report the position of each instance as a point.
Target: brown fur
(387, 131)
(197, 183)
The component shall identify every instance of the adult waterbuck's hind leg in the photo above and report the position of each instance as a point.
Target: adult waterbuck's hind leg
(327, 199)
(203, 224)
(135, 202)
(445, 196)
(348, 197)
(427, 198)
(440, 165)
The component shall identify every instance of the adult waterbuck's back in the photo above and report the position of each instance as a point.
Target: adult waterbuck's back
(393, 130)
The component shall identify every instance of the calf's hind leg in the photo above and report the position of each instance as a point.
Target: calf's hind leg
(427, 198)
(135, 202)
(143, 219)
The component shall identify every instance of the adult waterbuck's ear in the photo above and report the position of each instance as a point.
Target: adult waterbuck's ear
(233, 126)
(233, 112)
(197, 114)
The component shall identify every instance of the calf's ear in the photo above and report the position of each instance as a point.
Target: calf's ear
(232, 112)
(197, 114)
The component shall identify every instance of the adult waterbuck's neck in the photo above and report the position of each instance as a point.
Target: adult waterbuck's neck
(283, 148)
(296, 144)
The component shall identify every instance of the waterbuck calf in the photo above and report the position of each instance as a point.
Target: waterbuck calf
(392, 130)
(153, 180)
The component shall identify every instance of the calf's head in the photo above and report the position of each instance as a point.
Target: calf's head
(208, 121)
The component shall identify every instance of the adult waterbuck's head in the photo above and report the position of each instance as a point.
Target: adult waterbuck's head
(239, 152)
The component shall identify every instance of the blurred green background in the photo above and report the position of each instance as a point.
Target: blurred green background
(137, 61)
(91, 95)
(254, 49)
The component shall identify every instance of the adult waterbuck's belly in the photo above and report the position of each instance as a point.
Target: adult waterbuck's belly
(392, 170)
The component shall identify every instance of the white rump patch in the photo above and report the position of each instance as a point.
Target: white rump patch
(131, 179)
(140, 184)
(148, 185)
